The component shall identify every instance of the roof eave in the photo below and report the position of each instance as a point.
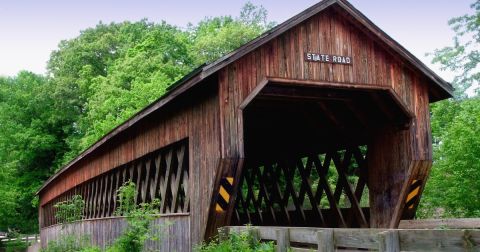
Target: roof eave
(176, 89)
(365, 21)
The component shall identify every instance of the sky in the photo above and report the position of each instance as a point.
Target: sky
(30, 29)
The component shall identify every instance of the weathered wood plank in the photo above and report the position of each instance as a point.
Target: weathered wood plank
(439, 240)
(326, 240)
(283, 240)
(389, 241)
(466, 223)
(101, 232)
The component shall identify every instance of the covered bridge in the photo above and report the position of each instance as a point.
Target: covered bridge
(322, 121)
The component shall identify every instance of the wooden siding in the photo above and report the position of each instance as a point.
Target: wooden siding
(327, 33)
(174, 232)
(439, 90)
(161, 175)
(335, 33)
(195, 118)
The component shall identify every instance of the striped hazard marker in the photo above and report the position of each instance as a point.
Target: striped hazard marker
(413, 194)
(224, 194)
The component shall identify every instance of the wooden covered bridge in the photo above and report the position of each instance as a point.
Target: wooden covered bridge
(322, 121)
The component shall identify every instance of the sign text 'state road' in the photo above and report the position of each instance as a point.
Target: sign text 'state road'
(327, 58)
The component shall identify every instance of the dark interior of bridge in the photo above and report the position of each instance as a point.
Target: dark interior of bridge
(306, 154)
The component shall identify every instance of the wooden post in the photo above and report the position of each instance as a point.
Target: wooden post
(389, 156)
(227, 167)
(468, 243)
(223, 233)
(253, 232)
(283, 239)
(389, 241)
(325, 240)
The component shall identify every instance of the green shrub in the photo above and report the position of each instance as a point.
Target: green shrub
(71, 210)
(17, 245)
(139, 223)
(243, 241)
(71, 243)
(68, 212)
(139, 219)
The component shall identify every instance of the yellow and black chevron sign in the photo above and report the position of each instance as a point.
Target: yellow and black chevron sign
(224, 194)
(413, 193)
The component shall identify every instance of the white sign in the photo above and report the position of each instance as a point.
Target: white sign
(327, 58)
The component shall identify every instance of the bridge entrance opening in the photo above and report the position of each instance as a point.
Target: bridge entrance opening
(306, 148)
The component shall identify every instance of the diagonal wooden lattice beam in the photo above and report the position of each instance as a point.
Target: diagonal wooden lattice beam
(341, 168)
(308, 189)
(324, 185)
(264, 191)
(362, 173)
(282, 198)
(165, 184)
(289, 183)
(178, 178)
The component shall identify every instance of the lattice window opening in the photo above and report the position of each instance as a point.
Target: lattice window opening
(305, 184)
(352, 171)
(162, 174)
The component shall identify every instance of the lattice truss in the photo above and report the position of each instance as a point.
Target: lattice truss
(162, 174)
(324, 190)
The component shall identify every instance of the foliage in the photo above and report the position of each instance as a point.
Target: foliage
(124, 67)
(244, 241)
(126, 199)
(136, 78)
(213, 37)
(68, 212)
(16, 245)
(464, 56)
(71, 210)
(31, 142)
(139, 219)
(70, 243)
(454, 184)
(95, 82)
(96, 77)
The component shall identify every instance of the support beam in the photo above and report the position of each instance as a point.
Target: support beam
(220, 215)
(388, 159)
(411, 191)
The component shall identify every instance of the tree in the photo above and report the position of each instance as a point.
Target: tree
(463, 56)
(214, 37)
(76, 65)
(135, 78)
(95, 82)
(145, 62)
(454, 184)
(31, 142)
